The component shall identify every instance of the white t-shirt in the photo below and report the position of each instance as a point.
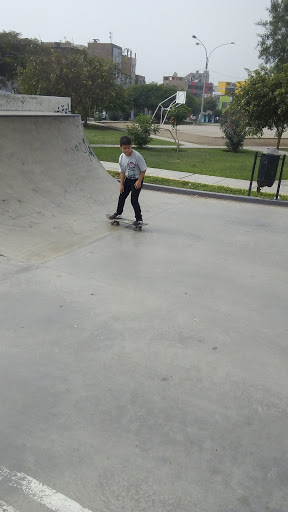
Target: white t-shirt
(132, 165)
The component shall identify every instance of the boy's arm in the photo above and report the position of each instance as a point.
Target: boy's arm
(122, 179)
(122, 175)
(140, 179)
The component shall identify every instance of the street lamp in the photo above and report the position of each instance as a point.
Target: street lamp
(206, 68)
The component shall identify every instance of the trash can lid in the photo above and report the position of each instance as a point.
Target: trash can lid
(271, 151)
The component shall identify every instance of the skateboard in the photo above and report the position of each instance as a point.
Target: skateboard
(127, 222)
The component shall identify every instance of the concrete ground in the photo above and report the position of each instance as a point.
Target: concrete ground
(148, 371)
(139, 371)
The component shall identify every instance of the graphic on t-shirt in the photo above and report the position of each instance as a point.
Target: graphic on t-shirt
(131, 170)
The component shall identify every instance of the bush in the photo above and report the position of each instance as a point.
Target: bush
(117, 115)
(142, 129)
(231, 124)
(114, 115)
(179, 114)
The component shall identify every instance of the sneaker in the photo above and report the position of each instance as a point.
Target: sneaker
(115, 216)
(138, 223)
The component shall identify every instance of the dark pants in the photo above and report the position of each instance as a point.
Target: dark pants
(129, 186)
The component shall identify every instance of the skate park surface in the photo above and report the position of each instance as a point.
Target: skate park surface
(140, 371)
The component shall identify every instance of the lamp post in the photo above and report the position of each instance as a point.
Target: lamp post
(199, 42)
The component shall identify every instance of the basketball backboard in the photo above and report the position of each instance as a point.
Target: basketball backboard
(181, 97)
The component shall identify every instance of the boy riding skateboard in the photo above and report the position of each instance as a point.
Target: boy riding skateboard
(132, 171)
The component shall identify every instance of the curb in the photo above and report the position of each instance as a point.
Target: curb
(215, 195)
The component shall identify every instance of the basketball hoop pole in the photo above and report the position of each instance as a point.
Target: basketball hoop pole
(180, 99)
(167, 109)
(161, 102)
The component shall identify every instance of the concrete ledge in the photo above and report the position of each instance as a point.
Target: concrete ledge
(22, 113)
(215, 195)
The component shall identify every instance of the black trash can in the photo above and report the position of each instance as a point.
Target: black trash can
(268, 168)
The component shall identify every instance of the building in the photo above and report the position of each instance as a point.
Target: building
(64, 46)
(179, 81)
(224, 86)
(58, 44)
(7, 88)
(128, 66)
(105, 51)
(193, 83)
(224, 102)
(225, 91)
(196, 88)
(239, 84)
(126, 61)
(198, 76)
(123, 58)
(140, 80)
(229, 87)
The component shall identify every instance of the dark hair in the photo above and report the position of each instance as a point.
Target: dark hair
(125, 141)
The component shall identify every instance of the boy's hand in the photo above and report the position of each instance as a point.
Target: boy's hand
(121, 189)
(138, 184)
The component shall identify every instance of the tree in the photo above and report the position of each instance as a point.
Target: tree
(142, 129)
(273, 44)
(148, 96)
(263, 100)
(193, 103)
(176, 116)
(89, 81)
(15, 53)
(210, 103)
(231, 124)
(122, 106)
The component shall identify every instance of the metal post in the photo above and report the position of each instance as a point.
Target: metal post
(252, 175)
(206, 68)
(280, 177)
(204, 84)
(161, 103)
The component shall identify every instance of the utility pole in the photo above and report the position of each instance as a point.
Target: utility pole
(199, 42)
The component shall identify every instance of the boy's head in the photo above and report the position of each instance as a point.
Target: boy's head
(126, 145)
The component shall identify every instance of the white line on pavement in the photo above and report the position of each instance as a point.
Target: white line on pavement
(39, 492)
(6, 508)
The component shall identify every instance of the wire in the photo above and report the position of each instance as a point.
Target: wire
(228, 76)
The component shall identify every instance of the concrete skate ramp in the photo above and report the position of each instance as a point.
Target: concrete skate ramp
(54, 192)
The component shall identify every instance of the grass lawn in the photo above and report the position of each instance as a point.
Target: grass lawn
(102, 135)
(203, 186)
(216, 162)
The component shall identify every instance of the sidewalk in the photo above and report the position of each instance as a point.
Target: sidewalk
(202, 178)
(190, 145)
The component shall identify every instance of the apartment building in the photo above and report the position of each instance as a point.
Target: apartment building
(229, 87)
(123, 58)
(193, 83)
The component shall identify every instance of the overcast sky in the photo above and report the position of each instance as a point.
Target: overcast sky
(158, 31)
